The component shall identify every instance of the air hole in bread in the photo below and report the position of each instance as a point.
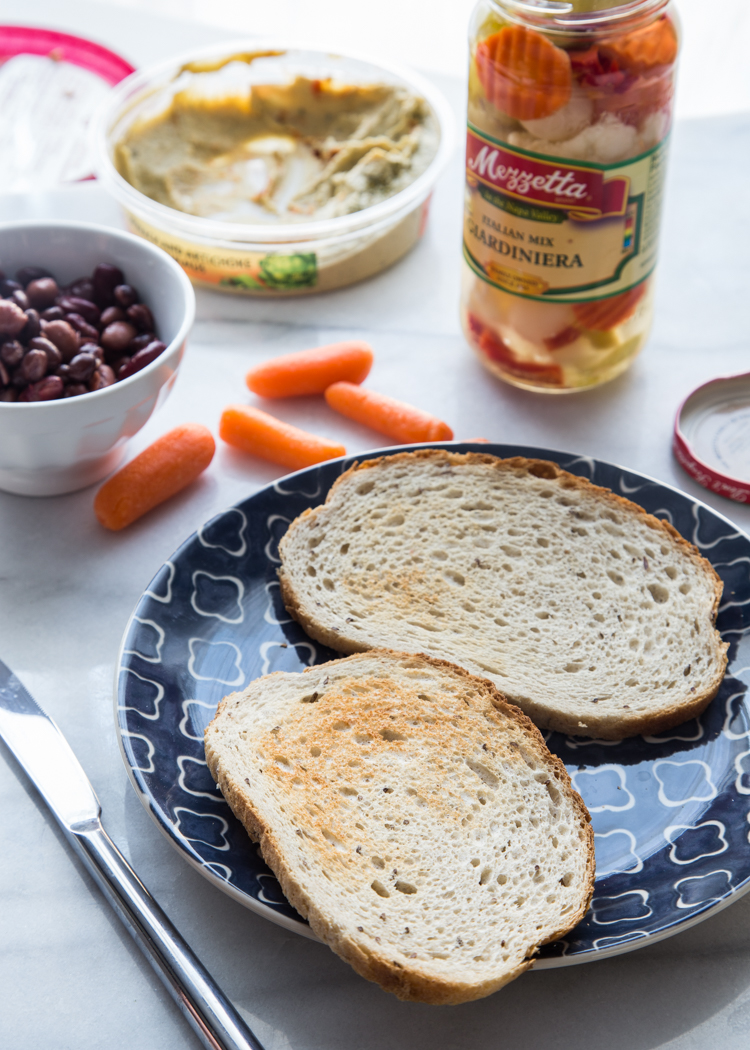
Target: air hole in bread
(424, 626)
(616, 577)
(344, 548)
(454, 494)
(313, 543)
(541, 615)
(685, 588)
(378, 862)
(475, 862)
(379, 888)
(440, 555)
(333, 839)
(315, 752)
(554, 795)
(485, 775)
(395, 519)
(542, 542)
(284, 763)
(365, 487)
(454, 577)
(311, 570)
(309, 698)
(659, 593)
(405, 887)
(362, 738)
(339, 726)
(511, 551)
(572, 668)
(392, 734)
(567, 878)
(686, 672)
(349, 791)
(485, 877)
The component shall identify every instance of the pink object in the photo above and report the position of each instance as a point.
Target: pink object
(712, 436)
(27, 40)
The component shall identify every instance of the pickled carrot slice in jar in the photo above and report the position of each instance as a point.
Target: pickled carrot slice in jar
(607, 313)
(644, 49)
(523, 74)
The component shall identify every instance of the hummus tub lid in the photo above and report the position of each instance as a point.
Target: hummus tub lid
(50, 85)
(712, 436)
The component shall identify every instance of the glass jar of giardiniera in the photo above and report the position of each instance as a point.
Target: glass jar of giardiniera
(570, 106)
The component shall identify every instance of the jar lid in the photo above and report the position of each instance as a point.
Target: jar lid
(712, 436)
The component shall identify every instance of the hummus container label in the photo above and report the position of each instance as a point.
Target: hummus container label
(235, 269)
(543, 227)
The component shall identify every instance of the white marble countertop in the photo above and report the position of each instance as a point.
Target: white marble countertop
(69, 975)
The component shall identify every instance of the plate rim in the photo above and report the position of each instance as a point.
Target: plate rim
(300, 926)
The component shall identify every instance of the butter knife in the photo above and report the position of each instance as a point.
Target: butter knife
(58, 776)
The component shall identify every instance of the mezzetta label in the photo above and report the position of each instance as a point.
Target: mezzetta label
(543, 228)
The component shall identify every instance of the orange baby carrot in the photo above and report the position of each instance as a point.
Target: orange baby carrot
(523, 73)
(254, 431)
(393, 418)
(160, 471)
(311, 371)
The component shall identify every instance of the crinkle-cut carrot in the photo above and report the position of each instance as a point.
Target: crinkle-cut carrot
(645, 49)
(606, 313)
(262, 435)
(388, 416)
(311, 371)
(160, 471)
(523, 74)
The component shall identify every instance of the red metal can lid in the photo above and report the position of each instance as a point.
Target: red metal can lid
(712, 436)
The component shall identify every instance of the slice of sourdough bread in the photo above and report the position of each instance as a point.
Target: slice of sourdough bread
(594, 617)
(415, 818)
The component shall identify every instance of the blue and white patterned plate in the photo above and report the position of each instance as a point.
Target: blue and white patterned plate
(671, 813)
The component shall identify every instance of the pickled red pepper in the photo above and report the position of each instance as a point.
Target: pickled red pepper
(569, 115)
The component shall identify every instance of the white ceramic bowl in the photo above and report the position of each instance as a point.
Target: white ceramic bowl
(51, 447)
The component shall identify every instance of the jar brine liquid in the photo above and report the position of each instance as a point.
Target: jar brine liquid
(570, 106)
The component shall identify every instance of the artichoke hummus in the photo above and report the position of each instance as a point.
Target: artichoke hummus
(294, 152)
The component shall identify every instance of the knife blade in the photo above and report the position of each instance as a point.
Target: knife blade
(49, 762)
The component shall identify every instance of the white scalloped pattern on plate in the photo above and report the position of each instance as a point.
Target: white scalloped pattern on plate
(671, 812)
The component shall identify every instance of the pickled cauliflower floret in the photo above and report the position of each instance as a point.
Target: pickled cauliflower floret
(606, 142)
(539, 321)
(566, 122)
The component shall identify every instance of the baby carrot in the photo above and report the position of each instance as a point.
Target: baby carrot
(254, 431)
(311, 371)
(160, 471)
(393, 418)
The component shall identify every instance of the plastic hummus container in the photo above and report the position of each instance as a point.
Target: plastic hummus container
(273, 256)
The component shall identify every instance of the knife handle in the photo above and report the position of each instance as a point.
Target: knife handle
(210, 1014)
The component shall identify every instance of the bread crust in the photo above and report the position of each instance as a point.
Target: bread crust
(406, 982)
(689, 706)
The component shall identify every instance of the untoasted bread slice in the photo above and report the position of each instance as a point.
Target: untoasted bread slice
(596, 618)
(415, 818)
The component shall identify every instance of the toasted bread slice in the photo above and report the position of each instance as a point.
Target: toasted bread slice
(415, 818)
(596, 618)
